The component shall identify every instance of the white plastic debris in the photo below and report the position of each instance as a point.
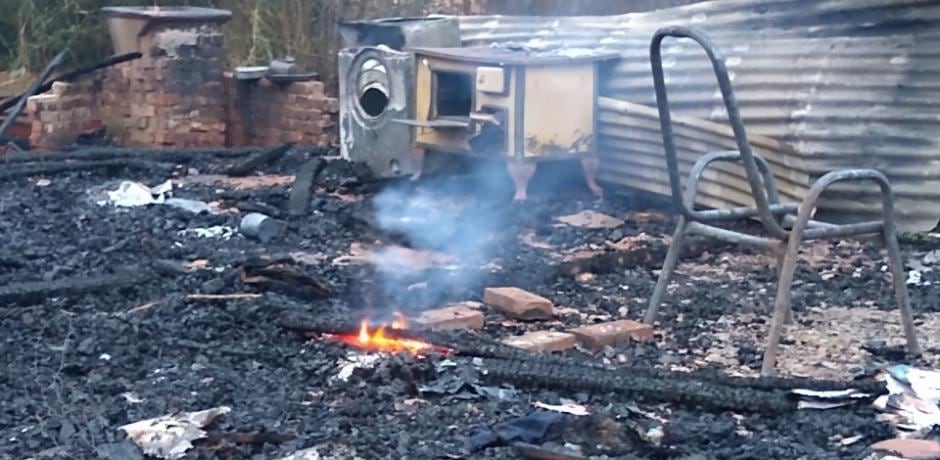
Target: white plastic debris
(570, 408)
(170, 436)
(353, 362)
(821, 404)
(831, 394)
(133, 194)
(821, 400)
(216, 231)
(131, 397)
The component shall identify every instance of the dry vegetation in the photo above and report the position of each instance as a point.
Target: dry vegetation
(32, 31)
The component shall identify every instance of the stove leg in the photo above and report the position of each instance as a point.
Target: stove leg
(590, 164)
(418, 153)
(521, 172)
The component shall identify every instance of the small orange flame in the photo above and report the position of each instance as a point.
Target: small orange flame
(375, 339)
(399, 322)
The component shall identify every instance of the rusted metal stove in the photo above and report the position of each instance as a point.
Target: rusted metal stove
(522, 105)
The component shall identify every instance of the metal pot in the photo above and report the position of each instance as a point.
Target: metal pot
(285, 66)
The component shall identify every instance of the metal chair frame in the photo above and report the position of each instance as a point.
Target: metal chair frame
(772, 214)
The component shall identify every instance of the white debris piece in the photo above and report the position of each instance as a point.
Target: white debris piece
(913, 399)
(570, 408)
(131, 397)
(133, 194)
(216, 231)
(170, 436)
(819, 399)
(353, 362)
(831, 394)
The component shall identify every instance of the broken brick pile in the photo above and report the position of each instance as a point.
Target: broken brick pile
(298, 112)
(523, 305)
(177, 95)
(58, 116)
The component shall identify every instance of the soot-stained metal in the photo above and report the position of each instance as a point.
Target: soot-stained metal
(846, 84)
(516, 104)
(772, 214)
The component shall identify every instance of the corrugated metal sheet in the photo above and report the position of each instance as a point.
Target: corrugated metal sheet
(846, 83)
(634, 129)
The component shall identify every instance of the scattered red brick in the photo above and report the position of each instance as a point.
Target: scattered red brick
(591, 219)
(460, 316)
(913, 449)
(519, 304)
(539, 341)
(597, 336)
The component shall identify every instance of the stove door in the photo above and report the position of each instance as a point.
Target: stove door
(375, 87)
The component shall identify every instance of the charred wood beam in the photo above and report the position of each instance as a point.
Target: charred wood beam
(71, 76)
(34, 292)
(72, 166)
(300, 195)
(254, 162)
(280, 275)
(117, 153)
(682, 392)
(466, 344)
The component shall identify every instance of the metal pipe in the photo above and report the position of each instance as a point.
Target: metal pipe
(754, 176)
(18, 108)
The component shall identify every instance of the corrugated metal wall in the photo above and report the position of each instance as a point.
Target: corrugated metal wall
(846, 83)
(578, 7)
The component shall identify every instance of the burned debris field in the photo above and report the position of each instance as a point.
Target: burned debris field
(117, 314)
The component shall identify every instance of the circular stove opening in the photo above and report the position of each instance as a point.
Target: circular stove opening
(373, 101)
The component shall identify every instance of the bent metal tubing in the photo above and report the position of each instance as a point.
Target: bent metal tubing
(772, 214)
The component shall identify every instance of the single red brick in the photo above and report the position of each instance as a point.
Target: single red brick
(597, 336)
(451, 318)
(143, 110)
(542, 341)
(915, 449)
(516, 303)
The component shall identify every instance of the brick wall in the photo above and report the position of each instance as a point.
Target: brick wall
(174, 95)
(60, 115)
(269, 113)
(178, 95)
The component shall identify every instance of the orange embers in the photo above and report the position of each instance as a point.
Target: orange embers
(374, 339)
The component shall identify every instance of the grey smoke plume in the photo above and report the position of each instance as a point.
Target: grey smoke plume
(458, 218)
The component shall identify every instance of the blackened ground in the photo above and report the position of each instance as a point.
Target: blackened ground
(78, 367)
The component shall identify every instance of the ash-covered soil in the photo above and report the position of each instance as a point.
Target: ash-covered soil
(78, 366)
